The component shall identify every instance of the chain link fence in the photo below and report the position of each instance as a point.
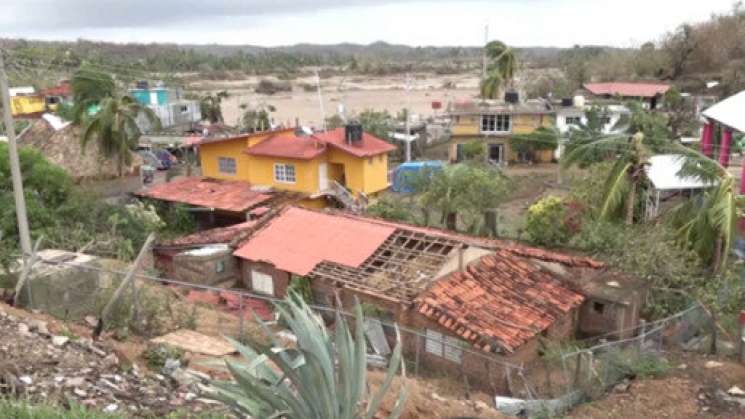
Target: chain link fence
(563, 376)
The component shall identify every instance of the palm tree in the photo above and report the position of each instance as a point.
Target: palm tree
(211, 106)
(89, 88)
(707, 223)
(115, 129)
(500, 70)
(323, 376)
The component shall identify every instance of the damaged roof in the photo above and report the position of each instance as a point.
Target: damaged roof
(212, 236)
(225, 195)
(298, 239)
(499, 302)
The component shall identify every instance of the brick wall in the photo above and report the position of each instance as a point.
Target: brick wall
(204, 269)
(281, 279)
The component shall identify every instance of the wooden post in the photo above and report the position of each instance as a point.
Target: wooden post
(713, 346)
(127, 279)
(28, 264)
(577, 369)
(643, 335)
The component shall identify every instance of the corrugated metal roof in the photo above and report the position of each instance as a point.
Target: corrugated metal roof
(226, 195)
(663, 170)
(298, 239)
(730, 112)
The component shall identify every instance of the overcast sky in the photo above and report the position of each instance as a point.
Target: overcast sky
(284, 22)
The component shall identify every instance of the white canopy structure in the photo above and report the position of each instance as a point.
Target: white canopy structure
(729, 112)
(662, 173)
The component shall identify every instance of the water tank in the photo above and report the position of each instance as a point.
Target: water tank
(353, 132)
(142, 84)
(512, 97)
(579, 101)
(567, 102)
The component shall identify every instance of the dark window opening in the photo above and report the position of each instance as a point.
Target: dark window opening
(598, 307)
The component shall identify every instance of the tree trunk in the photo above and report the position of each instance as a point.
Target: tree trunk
(717, 259)
(631, 204)
(451, 221)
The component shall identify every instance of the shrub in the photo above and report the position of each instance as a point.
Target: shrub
(157, 355)
(546, 224)
(269, 87)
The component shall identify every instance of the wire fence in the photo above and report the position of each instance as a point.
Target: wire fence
(564, 375)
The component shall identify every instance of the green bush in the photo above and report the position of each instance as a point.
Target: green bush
(157, 355)
(545, 223)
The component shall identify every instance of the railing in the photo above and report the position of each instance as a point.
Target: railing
(346, 197)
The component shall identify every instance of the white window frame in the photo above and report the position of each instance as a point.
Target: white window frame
(224, 165)
(496, 123)
(453, 349)
(262, 283)
(433, 343)
(285, 173)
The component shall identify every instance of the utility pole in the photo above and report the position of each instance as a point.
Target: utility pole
(407, 139)
(483, 52)
(15, 166)
(320, 101)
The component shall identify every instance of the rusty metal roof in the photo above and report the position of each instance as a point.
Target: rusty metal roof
(225, 195)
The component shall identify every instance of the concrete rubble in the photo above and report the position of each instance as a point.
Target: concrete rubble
(41, 367)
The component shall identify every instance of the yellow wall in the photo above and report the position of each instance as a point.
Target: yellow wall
(360, 174)
(376, 174)
(25, 105)
(261, 172)
(209, 155)
(468, 128)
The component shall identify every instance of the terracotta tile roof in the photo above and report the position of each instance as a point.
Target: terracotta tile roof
(627, 89)
(370, 145)
(226, 195)
(498, 303)
(291, 147)
(298, 239)
(63, 89)
(244, 137)
(212, 236)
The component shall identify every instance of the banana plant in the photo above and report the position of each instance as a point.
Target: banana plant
(323, 376)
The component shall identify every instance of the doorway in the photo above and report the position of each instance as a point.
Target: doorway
(495, 153)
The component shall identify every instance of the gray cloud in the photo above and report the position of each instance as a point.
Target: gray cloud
(77, 14)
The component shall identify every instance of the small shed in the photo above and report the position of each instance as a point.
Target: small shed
(403, 173)
(666, 182)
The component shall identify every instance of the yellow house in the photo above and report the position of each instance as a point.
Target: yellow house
(343, 161)
(493, 123)
(24, 101)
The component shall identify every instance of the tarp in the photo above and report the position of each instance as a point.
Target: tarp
(730, 112)
(400, 183)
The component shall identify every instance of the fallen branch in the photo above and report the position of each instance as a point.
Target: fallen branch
(123, 285)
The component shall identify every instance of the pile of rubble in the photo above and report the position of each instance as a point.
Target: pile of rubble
(39, 366)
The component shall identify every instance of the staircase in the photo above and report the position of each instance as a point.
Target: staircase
(347, 199)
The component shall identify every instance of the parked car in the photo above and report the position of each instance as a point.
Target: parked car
(151, 159)
(166, 157)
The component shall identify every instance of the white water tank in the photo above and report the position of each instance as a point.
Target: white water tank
(579, 101)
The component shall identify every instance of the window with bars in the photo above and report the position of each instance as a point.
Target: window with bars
(284, 173)
(496, 123)
(447, 347)
(226, 165)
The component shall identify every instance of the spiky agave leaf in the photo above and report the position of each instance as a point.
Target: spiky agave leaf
(322, 377)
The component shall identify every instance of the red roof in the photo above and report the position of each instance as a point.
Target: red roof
(370, 145)
(63, 89)
(499, 302)
(291, 147)
(219, 127)
(306, 148)
(627, 89)
(212, 236)
(298, 239)
(226, 195)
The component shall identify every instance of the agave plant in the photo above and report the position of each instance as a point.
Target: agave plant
(324, 376)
